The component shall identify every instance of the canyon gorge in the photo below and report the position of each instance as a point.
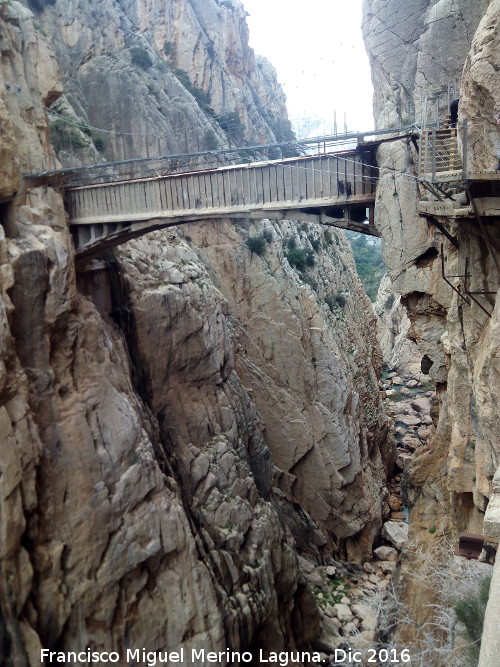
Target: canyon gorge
(195, 448)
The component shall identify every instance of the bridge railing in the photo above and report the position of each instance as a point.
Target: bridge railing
(307, 181)
(443, 151)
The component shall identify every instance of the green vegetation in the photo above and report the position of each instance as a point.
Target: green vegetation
(257, 244)
(65, 136)
(328, 237)
(335, 302)
(99, 143)
(316, 243)
(210, 140)
(38, 5)
(300, 258)
(140, 57)
(199, 95)
(368, 258)
(470, 612)
(332, 595)
(309, 281)
(297, 258)
(168, 48)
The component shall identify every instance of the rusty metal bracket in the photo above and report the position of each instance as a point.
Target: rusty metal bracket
(466, 293)
(443, 230)
(445, 278)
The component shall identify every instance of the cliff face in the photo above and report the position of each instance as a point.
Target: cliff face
(399, 352)
(418, 49)
(310, 367)
(169, 77)
(178, 419)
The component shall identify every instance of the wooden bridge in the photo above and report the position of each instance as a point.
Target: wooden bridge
(336, 189)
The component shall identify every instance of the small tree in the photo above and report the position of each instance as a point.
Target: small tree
(296, 258)
(140, 57)
(257, 244)
(210, 140)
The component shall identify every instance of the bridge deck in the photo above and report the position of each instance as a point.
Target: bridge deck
(331, 186)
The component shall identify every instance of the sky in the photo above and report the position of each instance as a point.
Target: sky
(318, 52)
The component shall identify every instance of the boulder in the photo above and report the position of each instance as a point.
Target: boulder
(387, 566)
(421, 405)
(395, 533)
(425, 432)
(343, 612)
(386, 553)
(411, 442)
(395, 503)
(408, 420)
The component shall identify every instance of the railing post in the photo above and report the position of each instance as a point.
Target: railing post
(433, 154)
(426, 152)
(464, 150)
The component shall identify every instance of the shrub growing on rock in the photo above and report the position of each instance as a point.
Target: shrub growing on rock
(297, 258)
(140, 57)
(257, 244)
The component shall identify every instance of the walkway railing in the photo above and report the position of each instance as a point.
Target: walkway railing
(441, 152)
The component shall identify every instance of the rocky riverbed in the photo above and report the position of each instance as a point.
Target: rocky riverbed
(348, 595)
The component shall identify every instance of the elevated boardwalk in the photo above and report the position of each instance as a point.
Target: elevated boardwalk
(336, 189)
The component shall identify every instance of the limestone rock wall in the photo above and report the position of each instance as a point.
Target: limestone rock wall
(170, 77)
(399, 352)
(448, 331)
(310, 366)
(177, 420)
(418, 49)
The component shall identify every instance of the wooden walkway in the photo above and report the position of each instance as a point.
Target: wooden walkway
(336, 189)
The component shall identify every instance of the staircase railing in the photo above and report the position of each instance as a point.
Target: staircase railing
(442, 153)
